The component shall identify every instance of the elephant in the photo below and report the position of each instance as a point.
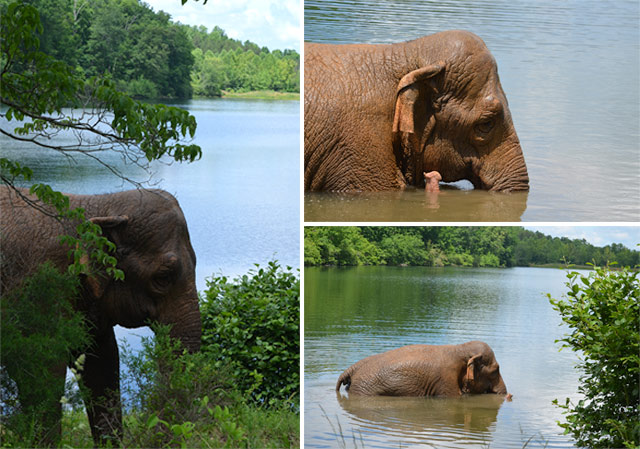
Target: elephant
(426, 370)
(153, 250)
(378, 116)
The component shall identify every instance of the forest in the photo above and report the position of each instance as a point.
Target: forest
(150, 56)
(449, 245)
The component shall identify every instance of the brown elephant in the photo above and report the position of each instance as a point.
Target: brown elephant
(155, 254)
(426, 370)
(376, 117)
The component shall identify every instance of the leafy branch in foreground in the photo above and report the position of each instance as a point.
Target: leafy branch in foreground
(603, 311)
(47, 104)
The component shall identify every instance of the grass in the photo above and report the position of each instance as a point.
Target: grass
(262, 95)
(262, 428)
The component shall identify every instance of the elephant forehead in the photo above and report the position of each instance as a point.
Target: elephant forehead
(473, 76)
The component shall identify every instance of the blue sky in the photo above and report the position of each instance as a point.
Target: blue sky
(596, 235)
(271, 23)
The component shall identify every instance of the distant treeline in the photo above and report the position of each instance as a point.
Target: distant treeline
(450, 245)
(150, 56)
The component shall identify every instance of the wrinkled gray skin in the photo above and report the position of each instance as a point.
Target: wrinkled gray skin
(426, 370)
(377, 116)
(155, 254)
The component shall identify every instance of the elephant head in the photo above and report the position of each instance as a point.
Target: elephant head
(155, 253)
(452, 116)
(482, 373)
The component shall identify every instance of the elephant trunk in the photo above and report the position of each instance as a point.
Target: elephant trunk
(504, 170)
(186, 324)
(500, 387)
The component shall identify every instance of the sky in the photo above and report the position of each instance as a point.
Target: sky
(268, 23)
(596, 235)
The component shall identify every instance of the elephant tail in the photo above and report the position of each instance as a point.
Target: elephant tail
(345, 378)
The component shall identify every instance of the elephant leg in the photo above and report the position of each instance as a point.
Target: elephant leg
(101, 378)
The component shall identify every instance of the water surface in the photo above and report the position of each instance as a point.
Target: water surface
(241, 200)
(351, 313)
(571, 73)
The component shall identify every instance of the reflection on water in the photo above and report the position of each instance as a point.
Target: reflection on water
(352, 313)
(467, 419)
(415, 205)
(571, 73)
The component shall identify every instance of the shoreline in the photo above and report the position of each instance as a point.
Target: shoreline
(261, 95)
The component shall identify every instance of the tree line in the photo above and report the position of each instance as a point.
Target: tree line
(449, 245)
(150, 56)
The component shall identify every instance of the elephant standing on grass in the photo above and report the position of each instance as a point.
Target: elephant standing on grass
(377, 117)
(155, 254)
(425, 370)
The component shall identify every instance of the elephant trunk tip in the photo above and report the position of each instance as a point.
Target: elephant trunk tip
(432, 180)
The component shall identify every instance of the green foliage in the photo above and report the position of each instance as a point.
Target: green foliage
(339, 245)
(176, 399)
(252, 324)
(222, 63)
(603, 311)
(487, 246)
(40, 332)
(149, 56)
(403, 249)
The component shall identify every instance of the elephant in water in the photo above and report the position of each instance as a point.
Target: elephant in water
(426, 370)
(155, 254)
(376, 117)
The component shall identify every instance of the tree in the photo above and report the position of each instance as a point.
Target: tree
(603, 311)
(47, 97)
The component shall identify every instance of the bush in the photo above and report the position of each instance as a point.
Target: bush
(460, 259)
(172, 396)
(487, 260)
(141, 88)
(253, 325)
(603, 311)
(40, 331)
(404, 249)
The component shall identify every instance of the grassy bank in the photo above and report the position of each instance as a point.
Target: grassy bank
(262, 95)
(254, 428)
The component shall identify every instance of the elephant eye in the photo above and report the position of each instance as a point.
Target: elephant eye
(484, 126)
(163, 279)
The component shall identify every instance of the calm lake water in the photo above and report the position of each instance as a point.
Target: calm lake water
(241, 200)
(351, 313)
(571, 73)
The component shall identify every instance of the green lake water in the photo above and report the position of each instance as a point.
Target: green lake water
(351, 313)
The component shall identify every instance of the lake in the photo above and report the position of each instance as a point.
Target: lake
(571, 73)
(351, 313)
(241, 200)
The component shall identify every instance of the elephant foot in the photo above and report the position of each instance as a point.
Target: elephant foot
(432, 180)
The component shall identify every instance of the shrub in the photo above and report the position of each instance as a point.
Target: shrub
(404, 249)
(142, 88)
(39, 316)
(173, 397)
(253, 325)
(603, 311)
(487, 260)
(460, 259)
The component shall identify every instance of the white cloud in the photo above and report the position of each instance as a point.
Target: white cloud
(271, 23)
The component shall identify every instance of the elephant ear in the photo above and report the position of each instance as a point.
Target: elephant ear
(97, 282)
(472, 365)
(411, 122)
